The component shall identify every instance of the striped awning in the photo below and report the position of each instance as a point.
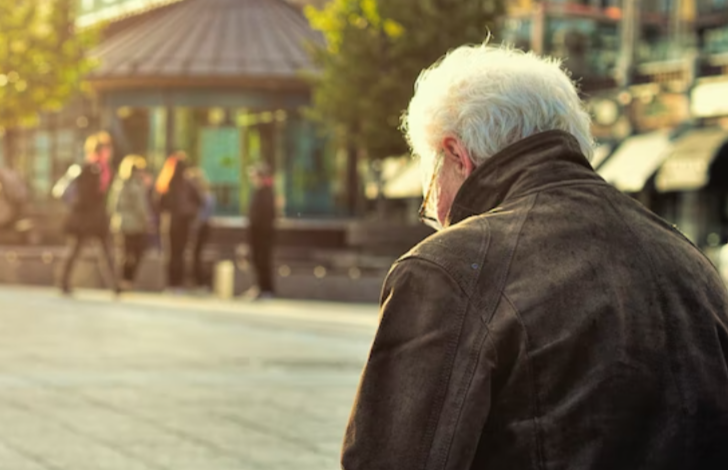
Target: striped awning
(636, 160)
(600, 154)
(688, 166)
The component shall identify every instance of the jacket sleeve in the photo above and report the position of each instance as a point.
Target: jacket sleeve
(409, 409)
(62, 185)
(112, 203)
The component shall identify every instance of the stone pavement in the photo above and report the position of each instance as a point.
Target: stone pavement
(153, 382)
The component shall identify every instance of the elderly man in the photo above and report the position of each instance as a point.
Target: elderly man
(553, 322)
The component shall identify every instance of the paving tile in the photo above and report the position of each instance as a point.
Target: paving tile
(146, 385)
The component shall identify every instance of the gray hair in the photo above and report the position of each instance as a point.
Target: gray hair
(491, 97)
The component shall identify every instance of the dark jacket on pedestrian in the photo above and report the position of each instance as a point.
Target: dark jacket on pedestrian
(88, 215)
(262, 211)
(554, 324)
(182, 199)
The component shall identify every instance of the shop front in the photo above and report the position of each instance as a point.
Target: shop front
(694, 175)
(653, 117)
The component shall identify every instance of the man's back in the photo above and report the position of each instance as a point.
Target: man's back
(624, 347)
(556, 324)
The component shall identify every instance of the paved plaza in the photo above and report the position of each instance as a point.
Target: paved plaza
(155, 382)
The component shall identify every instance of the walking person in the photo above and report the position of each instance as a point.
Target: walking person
(131, 218)
(552, 322)
(203, 278)
(84, 189)
(13, 197)
(179, 202)
(262, 216)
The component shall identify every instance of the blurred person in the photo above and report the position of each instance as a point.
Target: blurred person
(13, 197)
(131, 217)
(202, 226)
(106, 164)
(180, 201)
(84, 189)
(153, 237)
(262, 216)
(552, 322)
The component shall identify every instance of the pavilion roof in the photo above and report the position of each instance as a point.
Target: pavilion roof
(209, 42)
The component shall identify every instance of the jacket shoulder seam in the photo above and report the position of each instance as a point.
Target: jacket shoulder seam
(440, 267)
(482, 251)
(502, 280)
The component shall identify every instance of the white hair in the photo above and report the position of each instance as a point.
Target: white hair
(491, 97)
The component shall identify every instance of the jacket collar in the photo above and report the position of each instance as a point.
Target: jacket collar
(529, 164)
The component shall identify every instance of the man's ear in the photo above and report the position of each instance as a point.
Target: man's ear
(456, 152)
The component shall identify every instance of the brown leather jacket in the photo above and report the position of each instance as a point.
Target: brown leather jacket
(555, 324)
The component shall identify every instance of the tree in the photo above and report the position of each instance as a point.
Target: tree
(374, 51)
(42, 59)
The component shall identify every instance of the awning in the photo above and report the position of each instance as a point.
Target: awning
(632, 164)
(687, 168)
(600, 154)
(402, 178)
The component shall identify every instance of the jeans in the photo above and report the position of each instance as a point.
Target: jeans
(134, 246)
(201, 276)
(262, 257)
(179, 234)
(74, 250)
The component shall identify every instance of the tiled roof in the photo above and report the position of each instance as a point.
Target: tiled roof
(210, 40)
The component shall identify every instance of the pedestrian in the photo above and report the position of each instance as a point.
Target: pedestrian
(262, 215)
(153, 237)
(84, 189)
(13, 197)
(131, 219)
(552, 322)
(180, 202)
(203, 278)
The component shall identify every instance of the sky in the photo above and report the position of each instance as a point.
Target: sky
(99, 10)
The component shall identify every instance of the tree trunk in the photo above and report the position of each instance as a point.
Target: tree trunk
(352, 180)
(9, 147)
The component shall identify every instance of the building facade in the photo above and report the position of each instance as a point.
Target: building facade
(654, 74)
(223, 80)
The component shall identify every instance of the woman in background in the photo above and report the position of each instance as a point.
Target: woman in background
(131, 216)
(84, 189)
(202, 227)
(179, 202)
(262, 216)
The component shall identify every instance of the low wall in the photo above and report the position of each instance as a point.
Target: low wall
(342, 282)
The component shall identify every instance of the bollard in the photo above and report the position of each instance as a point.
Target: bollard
(319, 272)
(225, 279)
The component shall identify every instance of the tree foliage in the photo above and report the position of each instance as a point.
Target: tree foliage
(42, 57)
(374, 51)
